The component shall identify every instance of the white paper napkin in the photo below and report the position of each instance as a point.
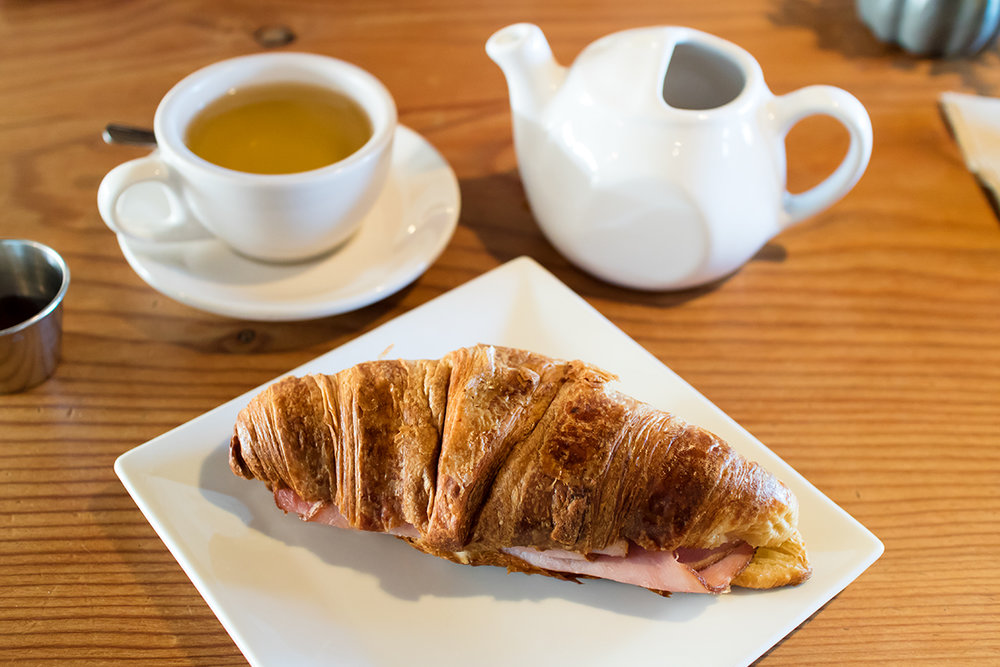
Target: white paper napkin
(975, 124)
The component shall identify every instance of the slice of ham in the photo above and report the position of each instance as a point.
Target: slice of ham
(657, 570)
(678, 571)
(328, 513)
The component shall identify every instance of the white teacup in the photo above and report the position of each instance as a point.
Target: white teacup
(270, 217)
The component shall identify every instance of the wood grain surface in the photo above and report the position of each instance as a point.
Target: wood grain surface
(863, 346)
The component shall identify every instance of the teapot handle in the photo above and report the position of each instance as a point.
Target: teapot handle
(844, 107)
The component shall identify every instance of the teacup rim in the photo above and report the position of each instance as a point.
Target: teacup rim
(170, 141)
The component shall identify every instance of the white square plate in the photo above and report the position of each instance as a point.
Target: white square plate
(289, 592)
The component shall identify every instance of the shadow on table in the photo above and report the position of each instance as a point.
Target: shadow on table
(180, 325)
(495, 208)
(838, 28)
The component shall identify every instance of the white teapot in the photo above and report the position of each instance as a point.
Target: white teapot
(657, 161)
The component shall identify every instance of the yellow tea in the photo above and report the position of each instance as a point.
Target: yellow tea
(279, 128)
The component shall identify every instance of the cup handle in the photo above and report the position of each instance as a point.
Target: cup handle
(179, 225)
(843, 107)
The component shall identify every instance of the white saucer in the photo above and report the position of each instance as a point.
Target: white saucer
(404, 233)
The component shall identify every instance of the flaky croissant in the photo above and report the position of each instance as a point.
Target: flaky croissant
(499, 456)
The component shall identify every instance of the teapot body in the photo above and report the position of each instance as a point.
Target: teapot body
(643, 193)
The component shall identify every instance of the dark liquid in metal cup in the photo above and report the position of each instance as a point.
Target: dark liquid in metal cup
(15, 309)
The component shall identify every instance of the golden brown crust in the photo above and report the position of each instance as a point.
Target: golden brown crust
(783, 565)
(494, 447)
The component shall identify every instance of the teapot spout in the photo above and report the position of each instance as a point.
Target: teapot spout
(524, 56)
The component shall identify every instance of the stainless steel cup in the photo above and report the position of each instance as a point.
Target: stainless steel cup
(33, 282)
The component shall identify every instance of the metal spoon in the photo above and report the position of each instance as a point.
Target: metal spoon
(115, 133)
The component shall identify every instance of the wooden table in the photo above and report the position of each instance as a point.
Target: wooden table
(863, 346)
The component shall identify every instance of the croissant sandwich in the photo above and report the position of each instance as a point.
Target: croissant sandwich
(499, 456)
